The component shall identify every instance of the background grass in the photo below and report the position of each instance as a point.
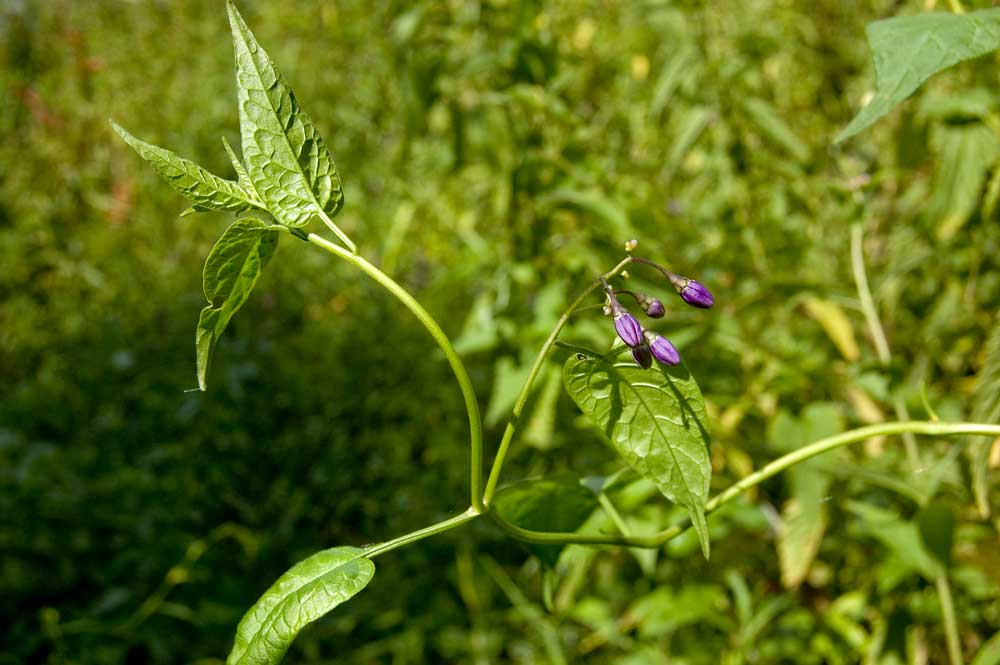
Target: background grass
(495, 156)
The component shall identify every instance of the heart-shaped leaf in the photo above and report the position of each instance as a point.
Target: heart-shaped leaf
(908, 50)
(656, 420)
(207, 191)
(310, 589)
(231, 271)
(286, 159)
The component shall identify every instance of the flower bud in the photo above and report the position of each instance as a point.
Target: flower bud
(662, 349)
(642, 356)
(628, 327)
(695, 294)
(654, 308)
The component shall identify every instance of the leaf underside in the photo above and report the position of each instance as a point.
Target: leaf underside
(206, 190)
(231, 271)
(656, 421)
(558, 504)
(286, 160)
(309, 590)
(908, 50)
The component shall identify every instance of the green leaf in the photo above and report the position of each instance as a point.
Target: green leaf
(207, 191)
(775, 129)
(559, 504)
(286, 159)
(804, 517)
(310, 589)
(909, 50)
(989, 653)
(937, 530)
(901, 537)
(964, 156)
(803, 522)
(656, 421)
(986, 409)
(241, 172)
(231, 271)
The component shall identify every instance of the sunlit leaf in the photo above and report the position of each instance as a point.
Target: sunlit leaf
(286, 159)
(207, 191)
(559, 504)
(908, 50)
(310, 589)
(231, 271)
(656, 421)
(836, 324)
(989, 653)
(804, 516)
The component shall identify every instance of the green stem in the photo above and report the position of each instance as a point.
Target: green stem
(613, 513)
(767, 471)
(522, 398)
(426, 532)
(464, 382)
(340, 234)
(948, 616)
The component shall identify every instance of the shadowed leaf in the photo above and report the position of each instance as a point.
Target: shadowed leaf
(231, 271)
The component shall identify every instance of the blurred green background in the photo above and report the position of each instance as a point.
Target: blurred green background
(495, 155)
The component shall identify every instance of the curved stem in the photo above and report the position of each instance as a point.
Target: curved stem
(769, 470)
(522, 398)
(420, 534)
(464, 382)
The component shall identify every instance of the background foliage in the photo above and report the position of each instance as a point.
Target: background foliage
(495, 154)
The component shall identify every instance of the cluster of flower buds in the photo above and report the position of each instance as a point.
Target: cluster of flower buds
(645, 344)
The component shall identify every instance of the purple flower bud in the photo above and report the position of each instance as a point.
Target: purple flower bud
(642, 356)
(654, 308)
(628, 328)
(694, 293)
(662, 349)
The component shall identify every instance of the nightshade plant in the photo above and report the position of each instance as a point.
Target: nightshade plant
(652, 413)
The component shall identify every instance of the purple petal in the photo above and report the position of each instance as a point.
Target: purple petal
(642, 356)
(664, 351)
(695, 293)
(655, 309)
(629, 329)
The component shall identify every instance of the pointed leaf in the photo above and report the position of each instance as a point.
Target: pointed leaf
(310, 589)
(231, 271)
(286, 159)
(241, 173)
(205, 190)
(909, 50)
(656, 421)
(559, 504)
